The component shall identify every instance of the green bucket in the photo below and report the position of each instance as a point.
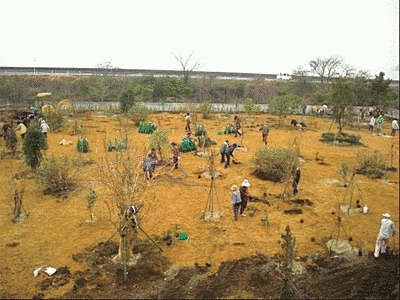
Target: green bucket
(183, 236)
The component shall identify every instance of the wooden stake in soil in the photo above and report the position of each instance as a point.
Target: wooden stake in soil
(212, 194)
(350, 186)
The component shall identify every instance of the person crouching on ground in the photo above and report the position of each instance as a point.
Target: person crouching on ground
(303, 126)
(228, 153)
(386, 226)
(245, 195)
(236, 201)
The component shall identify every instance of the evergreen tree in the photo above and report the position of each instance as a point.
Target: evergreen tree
(34, 142)
(12, 141)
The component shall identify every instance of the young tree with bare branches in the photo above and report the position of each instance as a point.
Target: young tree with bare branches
(326, 68)
(186, 69)
(119, 175)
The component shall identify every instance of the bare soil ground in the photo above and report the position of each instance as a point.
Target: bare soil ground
(223, 258)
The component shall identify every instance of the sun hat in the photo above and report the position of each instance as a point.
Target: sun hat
(234, 187)
(386, 215)
(245, 183)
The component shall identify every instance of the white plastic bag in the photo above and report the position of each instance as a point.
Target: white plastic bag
(36, 272)
(50, 271)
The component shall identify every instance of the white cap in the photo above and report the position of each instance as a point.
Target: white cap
(386, 215)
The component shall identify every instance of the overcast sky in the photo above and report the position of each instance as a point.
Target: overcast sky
(255, 36)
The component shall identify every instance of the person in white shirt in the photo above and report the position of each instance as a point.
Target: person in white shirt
(386, 227)
(395, 127)
(45, 128)
(371, 124)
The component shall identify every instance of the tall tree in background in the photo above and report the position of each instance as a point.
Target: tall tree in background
(326, 68)
(381, 91)
(283, 104)
(342, 94)
(186, 68)
(302, 85)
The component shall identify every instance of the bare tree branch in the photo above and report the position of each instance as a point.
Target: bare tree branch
(184, 64)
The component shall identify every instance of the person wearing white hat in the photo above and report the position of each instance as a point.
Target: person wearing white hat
(235, 200)
(45, 127)
(386, 227)
(245, 195)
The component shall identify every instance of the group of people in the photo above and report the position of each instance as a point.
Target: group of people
(226, 152)
(22, 127)
(379, 123)
(302, 126)
(239, 198)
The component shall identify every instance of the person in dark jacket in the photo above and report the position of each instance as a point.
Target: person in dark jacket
(265, 132)
(245, 196)
(149, 166)
(229, 153)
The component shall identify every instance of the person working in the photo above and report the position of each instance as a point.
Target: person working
(265, 132)
(235, 200)
(386, 227)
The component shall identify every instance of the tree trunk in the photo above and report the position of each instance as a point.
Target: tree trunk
(124, 242)
(17, 206)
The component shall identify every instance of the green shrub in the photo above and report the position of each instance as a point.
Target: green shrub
(347, 138)
(187, 146)
(139, 113)
(274, 163)
(82, 145)
(119, 144)
(372, 164)
(54, 174)
(159, 141)
(205, 108)
(229, 129)
(12, 141)
(249, 106)
(206, 140)
(200, 130)
(147, 128)
(34, 143)
(55, 119)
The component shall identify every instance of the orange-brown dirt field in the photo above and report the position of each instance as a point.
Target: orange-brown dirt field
(222, 258)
